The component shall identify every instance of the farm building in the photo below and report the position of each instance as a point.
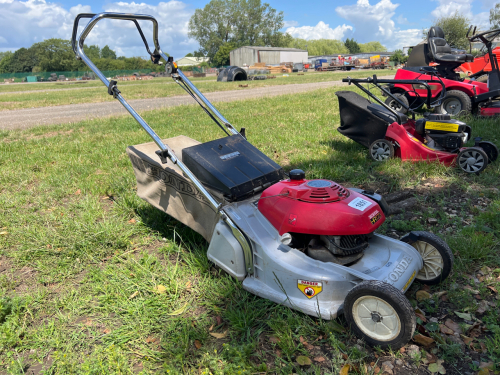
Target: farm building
(269, 55)
(192, 61)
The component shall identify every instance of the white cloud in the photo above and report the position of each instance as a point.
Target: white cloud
(402, 20)
(290, 23)
(320, 31)
(27, 22)
(448, 7)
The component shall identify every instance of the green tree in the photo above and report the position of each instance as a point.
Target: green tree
(241, 22)
(352, 45)
(54, 55)
(372, 47)
(23, 60)
(108, 53)
(495, 16)
(455, 29)
(5, 60)
(399, 57)
(319, 46)
(189, 55)
(222, 56)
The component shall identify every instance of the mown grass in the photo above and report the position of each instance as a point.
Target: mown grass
(96, 92)
(84, 256)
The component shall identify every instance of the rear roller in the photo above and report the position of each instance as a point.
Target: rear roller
(490, 149)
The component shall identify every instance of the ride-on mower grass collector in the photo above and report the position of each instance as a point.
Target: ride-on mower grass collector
(307, 244)
(387, 132)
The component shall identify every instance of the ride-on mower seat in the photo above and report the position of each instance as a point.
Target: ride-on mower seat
(440, 50)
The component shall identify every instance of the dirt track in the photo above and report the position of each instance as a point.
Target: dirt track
(27, 118)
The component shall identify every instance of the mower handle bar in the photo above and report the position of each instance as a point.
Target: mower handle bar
(376, 81)
(77, 44)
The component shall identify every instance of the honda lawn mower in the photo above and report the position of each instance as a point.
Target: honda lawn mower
(388, 133)
(463, 95)
(307, 244)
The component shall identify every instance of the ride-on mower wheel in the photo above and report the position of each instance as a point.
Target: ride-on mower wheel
(483, 78)
(397, 106)
(436, 254)
(472, 160)
(491, 150)
(380, 314)
(455, 103)
(381, 150)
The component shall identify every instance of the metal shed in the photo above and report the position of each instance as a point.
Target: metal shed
(270, 55)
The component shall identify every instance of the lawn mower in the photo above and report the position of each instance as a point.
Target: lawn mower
(307, 244)
(387, 132)
(463, 95)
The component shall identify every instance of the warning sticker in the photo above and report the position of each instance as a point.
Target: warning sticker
(310, 288)
(375, 216)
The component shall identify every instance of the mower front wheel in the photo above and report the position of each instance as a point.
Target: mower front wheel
(381, 150)
(436, 255)
(397, 106)
(472, 160)
(380, 314)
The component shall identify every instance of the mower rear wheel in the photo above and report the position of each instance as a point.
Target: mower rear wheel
(482, 79)
(491, 150)
(436, 254)
(380, 314)
(455, 103)
(472, 160)
(381, 150)
(397, 106)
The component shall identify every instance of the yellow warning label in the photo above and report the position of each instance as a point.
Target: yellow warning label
(443, 126)
(407, 285)
(310, 288)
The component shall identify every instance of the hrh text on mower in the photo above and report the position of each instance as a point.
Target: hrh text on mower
(387, 132)
(307, 244)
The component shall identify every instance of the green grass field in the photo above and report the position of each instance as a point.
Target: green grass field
(95, 92)
(96, 281)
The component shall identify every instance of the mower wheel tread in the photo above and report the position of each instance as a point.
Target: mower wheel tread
(483, 78)
(443, 249)
(462, 97)
(393, 297)
(396, 106)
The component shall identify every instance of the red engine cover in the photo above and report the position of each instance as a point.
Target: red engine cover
(319, 207)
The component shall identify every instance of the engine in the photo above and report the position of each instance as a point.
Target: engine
(322, 218)
(442, 133)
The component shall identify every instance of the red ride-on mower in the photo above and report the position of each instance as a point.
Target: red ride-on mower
(388, 133)
(463, 95)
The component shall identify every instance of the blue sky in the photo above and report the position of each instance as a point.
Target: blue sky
(394, 23)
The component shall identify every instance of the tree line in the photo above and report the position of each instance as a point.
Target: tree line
(54, 55)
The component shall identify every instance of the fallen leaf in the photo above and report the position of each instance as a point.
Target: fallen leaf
(303, 360)
(179, 311)
(444, 329)
(483, 347)
(219, 335)
(301, 339)
(319, 359)
(492, 289)
(345, 356)
(133, 295)
(160, 289)
(274, 339)
(4, 233)
(152, 339)
(431, 357)
(422, 295)
(483, 371)
(423, 340)
(345, 369)
(376, 370)
(453, 326)
(78, 192)
(402, 350)
(106, 331)
(188, 285)
(197, 344)
(219, 320)
(483, 307)
(471, 289)
(487, 365)
(437, 367)
(465, 316)
(440, 294)
(131, 221)
(424, 320)
(211, 328)
(466, 340)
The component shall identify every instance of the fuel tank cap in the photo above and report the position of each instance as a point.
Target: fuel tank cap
(297, 174)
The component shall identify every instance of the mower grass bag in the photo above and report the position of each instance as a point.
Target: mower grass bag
(357, 122)
(165, 187)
